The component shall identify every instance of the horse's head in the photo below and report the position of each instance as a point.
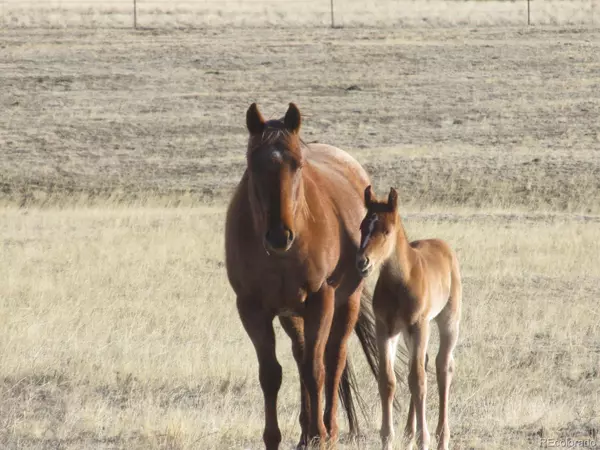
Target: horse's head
(275, 162)
(377, 231)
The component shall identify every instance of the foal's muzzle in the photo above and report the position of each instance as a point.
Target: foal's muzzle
(364, 266)
(279, 239)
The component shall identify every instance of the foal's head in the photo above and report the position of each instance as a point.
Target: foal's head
(377, 231)
(275, 162)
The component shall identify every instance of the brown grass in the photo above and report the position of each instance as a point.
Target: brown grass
(119, 150)
(295, 13)
(125, 334)
(502, 117)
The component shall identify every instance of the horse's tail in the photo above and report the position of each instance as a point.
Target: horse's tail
(348, 386)
(365, 331)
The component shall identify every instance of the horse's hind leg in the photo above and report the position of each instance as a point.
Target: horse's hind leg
(444, 365)
(344, 320)
(387, 346)
(294, 327)
(411, 422)
(417, 380)
(448, 324)
(259, 327)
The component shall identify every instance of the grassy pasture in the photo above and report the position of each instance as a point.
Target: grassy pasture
(295, 13)
(119, 151)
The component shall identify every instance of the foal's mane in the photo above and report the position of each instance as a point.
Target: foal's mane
(377, 207)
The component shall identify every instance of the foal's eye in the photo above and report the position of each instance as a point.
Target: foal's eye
(295, 165)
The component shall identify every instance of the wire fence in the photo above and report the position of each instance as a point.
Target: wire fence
(282, 13)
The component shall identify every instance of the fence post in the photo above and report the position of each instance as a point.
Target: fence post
(135, 14)
(528, 13)
(332, 17)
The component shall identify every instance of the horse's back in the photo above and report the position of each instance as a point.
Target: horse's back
(437, 259)
(434, 250)
(340, 177)
(442, 270)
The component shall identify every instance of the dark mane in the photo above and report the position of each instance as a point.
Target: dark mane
(380, 207)
(276, 134)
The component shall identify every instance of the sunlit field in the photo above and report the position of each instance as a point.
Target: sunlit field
(296, 13)
(119, 151)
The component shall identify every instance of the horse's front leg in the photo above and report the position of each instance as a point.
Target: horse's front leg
(259, 326)
(318, 315)
(294, 327)
(344, 320)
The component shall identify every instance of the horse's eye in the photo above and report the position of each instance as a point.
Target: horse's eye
(295, 165)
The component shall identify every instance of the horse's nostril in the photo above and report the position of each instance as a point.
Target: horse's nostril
(279, 238)
(363, 263)
(290, 236)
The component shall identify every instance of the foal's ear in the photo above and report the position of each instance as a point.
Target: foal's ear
(393, 199)
(292, 119)
(254, 120)
(369, 196)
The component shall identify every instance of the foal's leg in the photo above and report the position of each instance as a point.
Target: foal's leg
(259, 326)
(417, 379)
(411, 423)
(318, 315)
(344, 320)
(448, 324)
(387, 346)
(444, 365)
(294, 327)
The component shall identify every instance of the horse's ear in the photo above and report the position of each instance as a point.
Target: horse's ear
(393, 199)
(254, 120)
(368, 196)
(292, 119)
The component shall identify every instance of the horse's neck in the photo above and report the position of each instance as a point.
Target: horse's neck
(302, 211)
(398, 266)
(312, 205)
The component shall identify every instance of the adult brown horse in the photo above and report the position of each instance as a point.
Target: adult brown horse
(292, 234)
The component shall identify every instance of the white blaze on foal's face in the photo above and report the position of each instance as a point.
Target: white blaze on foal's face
(367, 230)
(377, 231)
(377, 239)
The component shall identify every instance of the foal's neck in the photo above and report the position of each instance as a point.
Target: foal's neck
(399, 263)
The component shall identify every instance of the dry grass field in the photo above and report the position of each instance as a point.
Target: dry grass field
(305, 13)
(118, 153)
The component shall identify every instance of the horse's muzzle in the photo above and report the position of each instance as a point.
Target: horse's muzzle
(278, 240)
(364, 266)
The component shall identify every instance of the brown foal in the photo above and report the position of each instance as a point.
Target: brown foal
(419, 281)
(291, 236)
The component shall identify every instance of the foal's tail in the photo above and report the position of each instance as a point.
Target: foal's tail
(365, 331)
